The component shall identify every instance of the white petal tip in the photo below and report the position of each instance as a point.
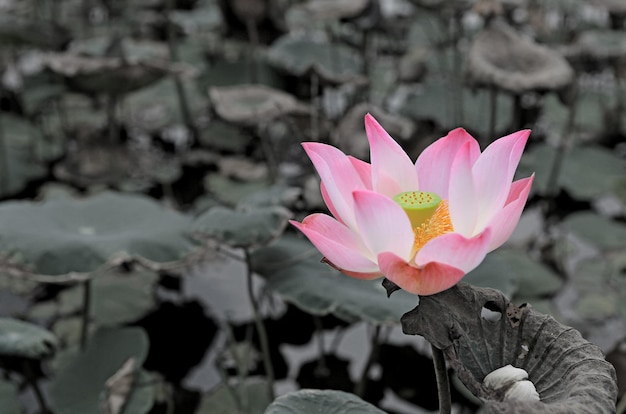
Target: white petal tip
(522, 390)
(504, 376)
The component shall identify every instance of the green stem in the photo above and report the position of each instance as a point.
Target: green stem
(183, 102)
(84, 331)
(552, 186)
(265, 350)
(493, 105)
(322, 366)
(4, 160)
(372, 358)
(253, 37)
(30, 377)
(443, 384)
(456, 67)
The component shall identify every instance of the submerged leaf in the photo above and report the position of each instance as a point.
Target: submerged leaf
(569, 373)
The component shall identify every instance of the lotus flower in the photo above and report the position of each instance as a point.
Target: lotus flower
(424, 225)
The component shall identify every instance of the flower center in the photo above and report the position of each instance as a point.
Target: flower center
(428, 214)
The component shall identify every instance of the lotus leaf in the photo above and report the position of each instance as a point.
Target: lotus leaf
(301, 56)
(25, 340)
(292, 269)
(64, 235)
(251, 395)
(569, 373)
(8, 398)
(239, 228)
(79, 386)
(586, 173)
(321, 402)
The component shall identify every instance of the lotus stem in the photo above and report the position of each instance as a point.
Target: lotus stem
(371, 359)
(183, 102)
(322, 367)
(443, 384)
(4, 160)
(268, 151)
(265, 350)
(315, 90)
(30, 377)
(553, 186)
(84, 329)
(621, 406)
(456, 33)
(114, 135)
(253, 37)
(493, 114)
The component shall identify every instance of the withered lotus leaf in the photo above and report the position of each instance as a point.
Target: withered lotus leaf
(569, 373)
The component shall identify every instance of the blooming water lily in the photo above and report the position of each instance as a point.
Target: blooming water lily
(424, 225)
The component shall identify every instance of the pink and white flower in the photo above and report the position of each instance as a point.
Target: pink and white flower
(423, 225)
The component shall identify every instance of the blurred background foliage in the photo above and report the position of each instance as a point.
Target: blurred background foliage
(150, 160)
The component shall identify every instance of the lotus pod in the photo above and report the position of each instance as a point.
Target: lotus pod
(569, 373)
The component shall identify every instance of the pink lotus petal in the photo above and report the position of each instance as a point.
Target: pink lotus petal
(427, 280)
(382, 224)
(364, 170)
(455, 250)
(337, 243)
(504, 222)
(392, 169)
(364, 276)
(329, 203)
(493, 173)
(434, 164)
(462, 199)
(338, 176)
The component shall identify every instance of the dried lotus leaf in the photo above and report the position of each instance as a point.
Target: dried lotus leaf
(569, 373)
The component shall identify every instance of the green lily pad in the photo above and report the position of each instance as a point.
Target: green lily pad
(513, 272)
(205, 18)
(242, 228)
(157, 106)
(8, 398)
(110, 75)
(21, 154)
(232, 191)
(252, 105)
(494, 272)
(222, 136)
(252, 398)
(590, 120)
(26, 340)
(299, 56)
(276, 195)
(35, 32)
(598, 294)
(601, 232)
(433, 101)
(116, 298)
(321, 402)
(586, 173)
(64, 235)
(292, 269)
(79, 386)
